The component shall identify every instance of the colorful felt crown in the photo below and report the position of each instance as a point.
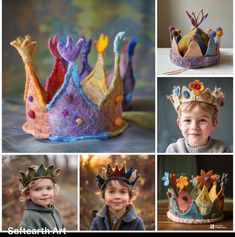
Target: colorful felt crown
(201, 203)
(76, 104)
(197, 48)
(196, 92)
(130, 176)
(36, 172)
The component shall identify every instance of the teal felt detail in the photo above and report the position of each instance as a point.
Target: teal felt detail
(71, 71)
(119, 42)
(211, 49)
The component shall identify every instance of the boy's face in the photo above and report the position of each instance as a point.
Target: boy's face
(196, 126)
(116, 197)
(42, 193)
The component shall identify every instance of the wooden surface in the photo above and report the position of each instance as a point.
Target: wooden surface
(165, 224)
(225, 67)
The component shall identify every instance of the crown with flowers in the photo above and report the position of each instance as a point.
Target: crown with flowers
(197, 48)
(36, 172)
(198, 200)
(196, 93)
(129, 176)
(77, 103)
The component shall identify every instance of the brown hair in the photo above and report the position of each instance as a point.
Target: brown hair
(131, 191)
(24, 191)
(187, 107)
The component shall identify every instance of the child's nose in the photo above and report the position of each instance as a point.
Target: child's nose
(194, 124)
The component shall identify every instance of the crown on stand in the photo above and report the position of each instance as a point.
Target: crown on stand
(129, 176)
(196, 93)
(203, 202)
(36, 172)
(197, 48)
(77, 103)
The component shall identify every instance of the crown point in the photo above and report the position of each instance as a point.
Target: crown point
(171, 28)
(102, 43)
(116, 171)
(212, 34)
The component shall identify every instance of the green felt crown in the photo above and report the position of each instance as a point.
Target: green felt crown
(36, 172)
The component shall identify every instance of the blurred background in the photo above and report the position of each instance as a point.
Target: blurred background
(66, 200)
(42, 18)
(90, 199)
(172, 13)
(191, 165)
(168, 130)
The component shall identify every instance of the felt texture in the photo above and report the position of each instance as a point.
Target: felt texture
(56, 77)
(192, 62)
(85, 67)
(212, 49)
(75, 110)
(193, 49)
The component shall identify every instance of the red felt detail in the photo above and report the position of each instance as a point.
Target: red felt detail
(116, 171)
(55, 79)
(184, 200)
(31, 114)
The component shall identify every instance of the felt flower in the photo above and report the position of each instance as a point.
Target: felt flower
(165, 178)
(205, 179)
(197, 87)
(182, 182)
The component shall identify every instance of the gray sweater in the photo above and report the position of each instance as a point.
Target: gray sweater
(212, 146)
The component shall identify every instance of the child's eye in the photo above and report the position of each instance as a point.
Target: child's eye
(111, 191)
(37, 189)
(203, 120)
(123, 192)
(186, 120)
(49, 188)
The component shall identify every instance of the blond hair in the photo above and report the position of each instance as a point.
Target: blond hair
(187, 107)
(24, 191)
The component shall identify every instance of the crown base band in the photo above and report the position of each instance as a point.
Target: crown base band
(193, 221)
(194, 62)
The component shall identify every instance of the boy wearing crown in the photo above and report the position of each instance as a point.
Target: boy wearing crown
(38, 188)
(117, 190)
(197, 110)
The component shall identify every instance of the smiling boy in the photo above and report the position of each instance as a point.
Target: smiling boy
(197, 110)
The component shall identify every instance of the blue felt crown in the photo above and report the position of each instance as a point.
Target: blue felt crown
(129, 176)
(203, 202)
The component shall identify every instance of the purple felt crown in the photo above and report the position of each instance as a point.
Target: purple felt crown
(203, 202)
(197, 48)
(128, 176)
(77, 103)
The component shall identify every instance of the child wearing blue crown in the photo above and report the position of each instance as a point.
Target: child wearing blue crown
(117, 189)
(197, 110)
(38, 188)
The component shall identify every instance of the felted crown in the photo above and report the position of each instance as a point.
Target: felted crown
(130, 176)
(196, 92)
(197, 48)
(203, 202)
(36, 172)
(77, 103)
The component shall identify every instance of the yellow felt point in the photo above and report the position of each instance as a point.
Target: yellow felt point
(178, 30)
(119, 99)
(79, 121)
(118, 121)
(102, 43)
(28, 37)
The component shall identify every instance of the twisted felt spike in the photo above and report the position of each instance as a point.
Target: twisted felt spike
(52, 46)
(131, 47)
(86, 47)
(25, 47)
(71, 50)
(119, 42)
